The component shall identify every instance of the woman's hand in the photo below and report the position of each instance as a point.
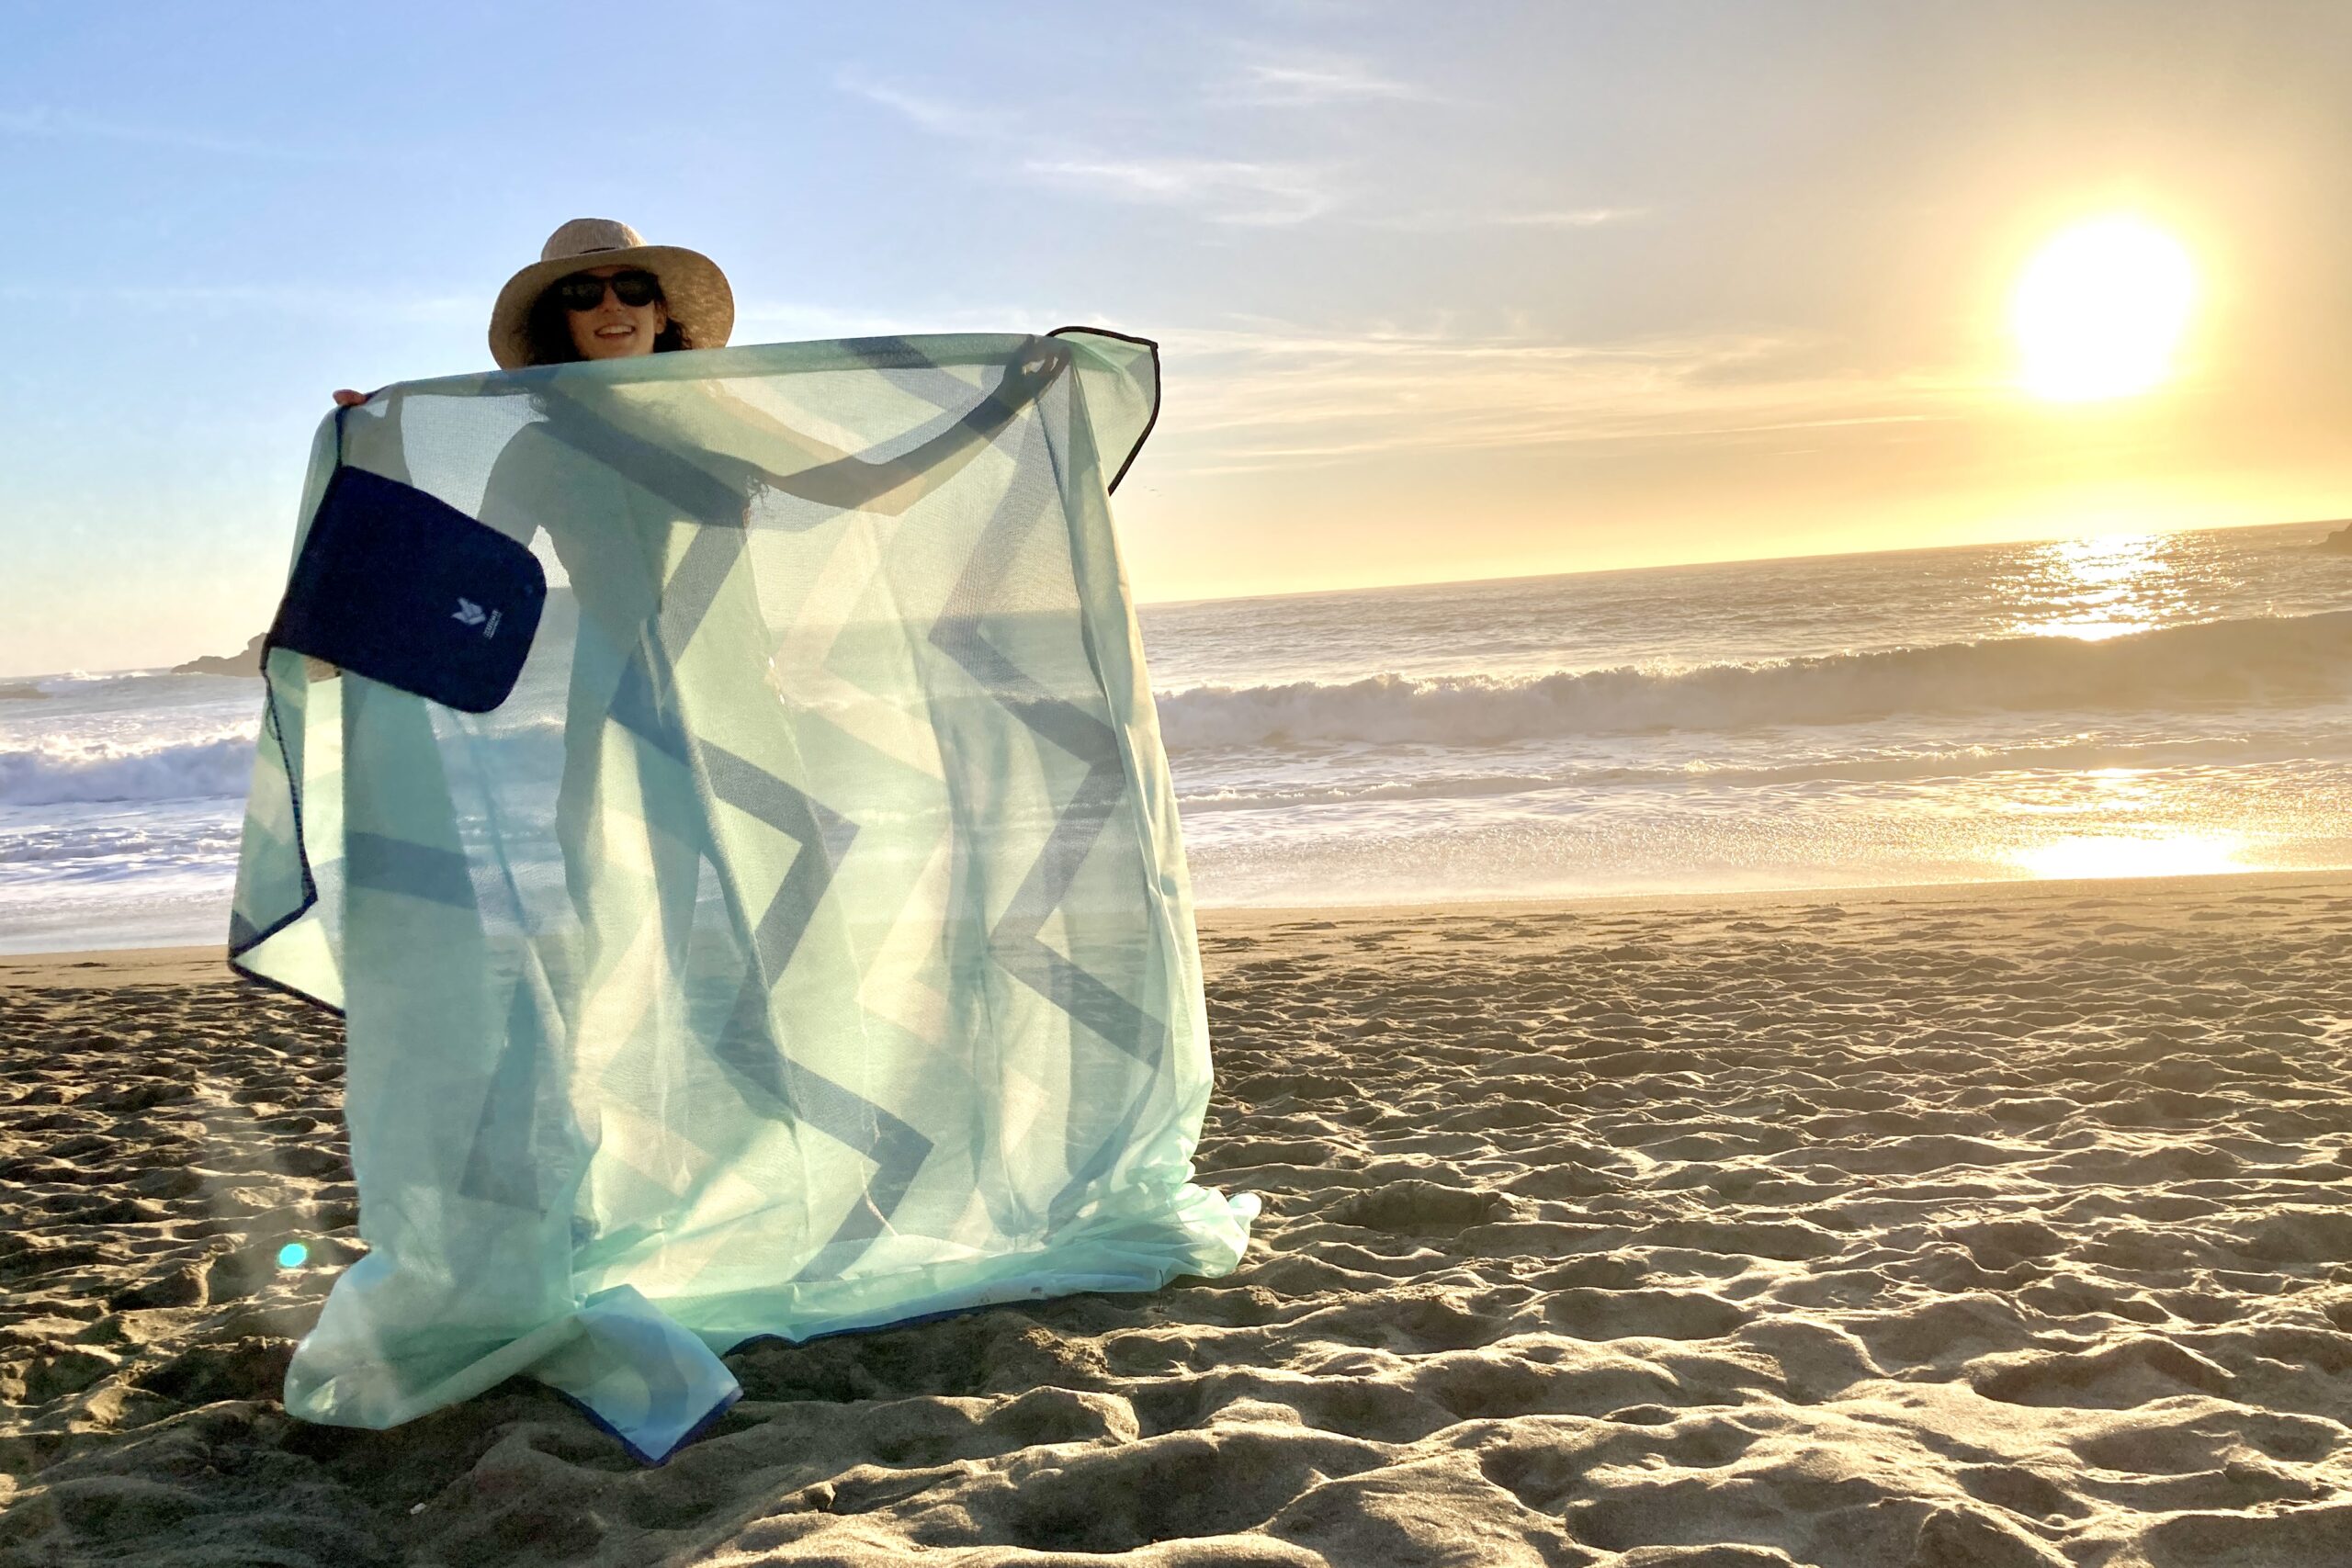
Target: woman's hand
(345, 398)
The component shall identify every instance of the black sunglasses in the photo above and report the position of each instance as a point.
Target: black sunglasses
(582, 292)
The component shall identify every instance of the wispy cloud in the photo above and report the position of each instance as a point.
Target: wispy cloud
(1260, 394)
(1443, 221)
(1301, 84)
(46, 124)
(934, 115)
(1224, 190)
(1267, 395)
(1571, 218)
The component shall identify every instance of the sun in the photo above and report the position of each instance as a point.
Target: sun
(2099, 310)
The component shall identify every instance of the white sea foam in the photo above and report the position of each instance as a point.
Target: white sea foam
(1934, 763)
(122, 845)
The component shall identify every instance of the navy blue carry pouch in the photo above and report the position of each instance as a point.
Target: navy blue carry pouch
(402, 588)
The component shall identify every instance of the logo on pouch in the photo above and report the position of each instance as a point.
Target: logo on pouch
(469, 612)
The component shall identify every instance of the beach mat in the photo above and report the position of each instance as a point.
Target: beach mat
(804, 944)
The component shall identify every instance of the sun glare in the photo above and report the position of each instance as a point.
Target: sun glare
(2106, 855)
(2099, 310)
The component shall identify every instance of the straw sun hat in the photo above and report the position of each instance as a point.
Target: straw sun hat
(692, 285)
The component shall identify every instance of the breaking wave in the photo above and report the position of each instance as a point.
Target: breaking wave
(2229, 663)
(193, 770)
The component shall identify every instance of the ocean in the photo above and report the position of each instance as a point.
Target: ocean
(2123, 705)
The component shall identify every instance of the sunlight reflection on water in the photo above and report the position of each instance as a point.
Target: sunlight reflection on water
(2095, 588)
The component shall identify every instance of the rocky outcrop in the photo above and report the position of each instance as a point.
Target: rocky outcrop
(22, 689)
(245, 663)
(2339, 541)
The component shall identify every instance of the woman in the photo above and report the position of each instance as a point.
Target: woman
(634, 299)
(439, 974)
(804, 944)
(599, 292)
(547, 314)
(556, 311)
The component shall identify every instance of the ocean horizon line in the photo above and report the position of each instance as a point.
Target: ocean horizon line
(1818, 555)
(87, 672)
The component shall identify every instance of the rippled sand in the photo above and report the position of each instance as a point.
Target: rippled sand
(1958, 1229)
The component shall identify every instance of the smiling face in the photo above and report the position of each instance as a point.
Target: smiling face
(610, 330)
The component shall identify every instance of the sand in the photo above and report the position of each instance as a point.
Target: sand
(1999, 1228)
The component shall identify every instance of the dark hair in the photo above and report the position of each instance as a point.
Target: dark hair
(548, 331)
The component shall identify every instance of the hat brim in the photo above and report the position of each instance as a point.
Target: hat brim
(693, 288)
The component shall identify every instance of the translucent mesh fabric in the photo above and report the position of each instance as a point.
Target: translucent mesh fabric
(806, 945)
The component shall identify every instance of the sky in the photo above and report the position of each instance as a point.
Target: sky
(1443, 292)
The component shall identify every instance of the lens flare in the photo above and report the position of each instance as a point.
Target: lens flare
(293, 1255)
